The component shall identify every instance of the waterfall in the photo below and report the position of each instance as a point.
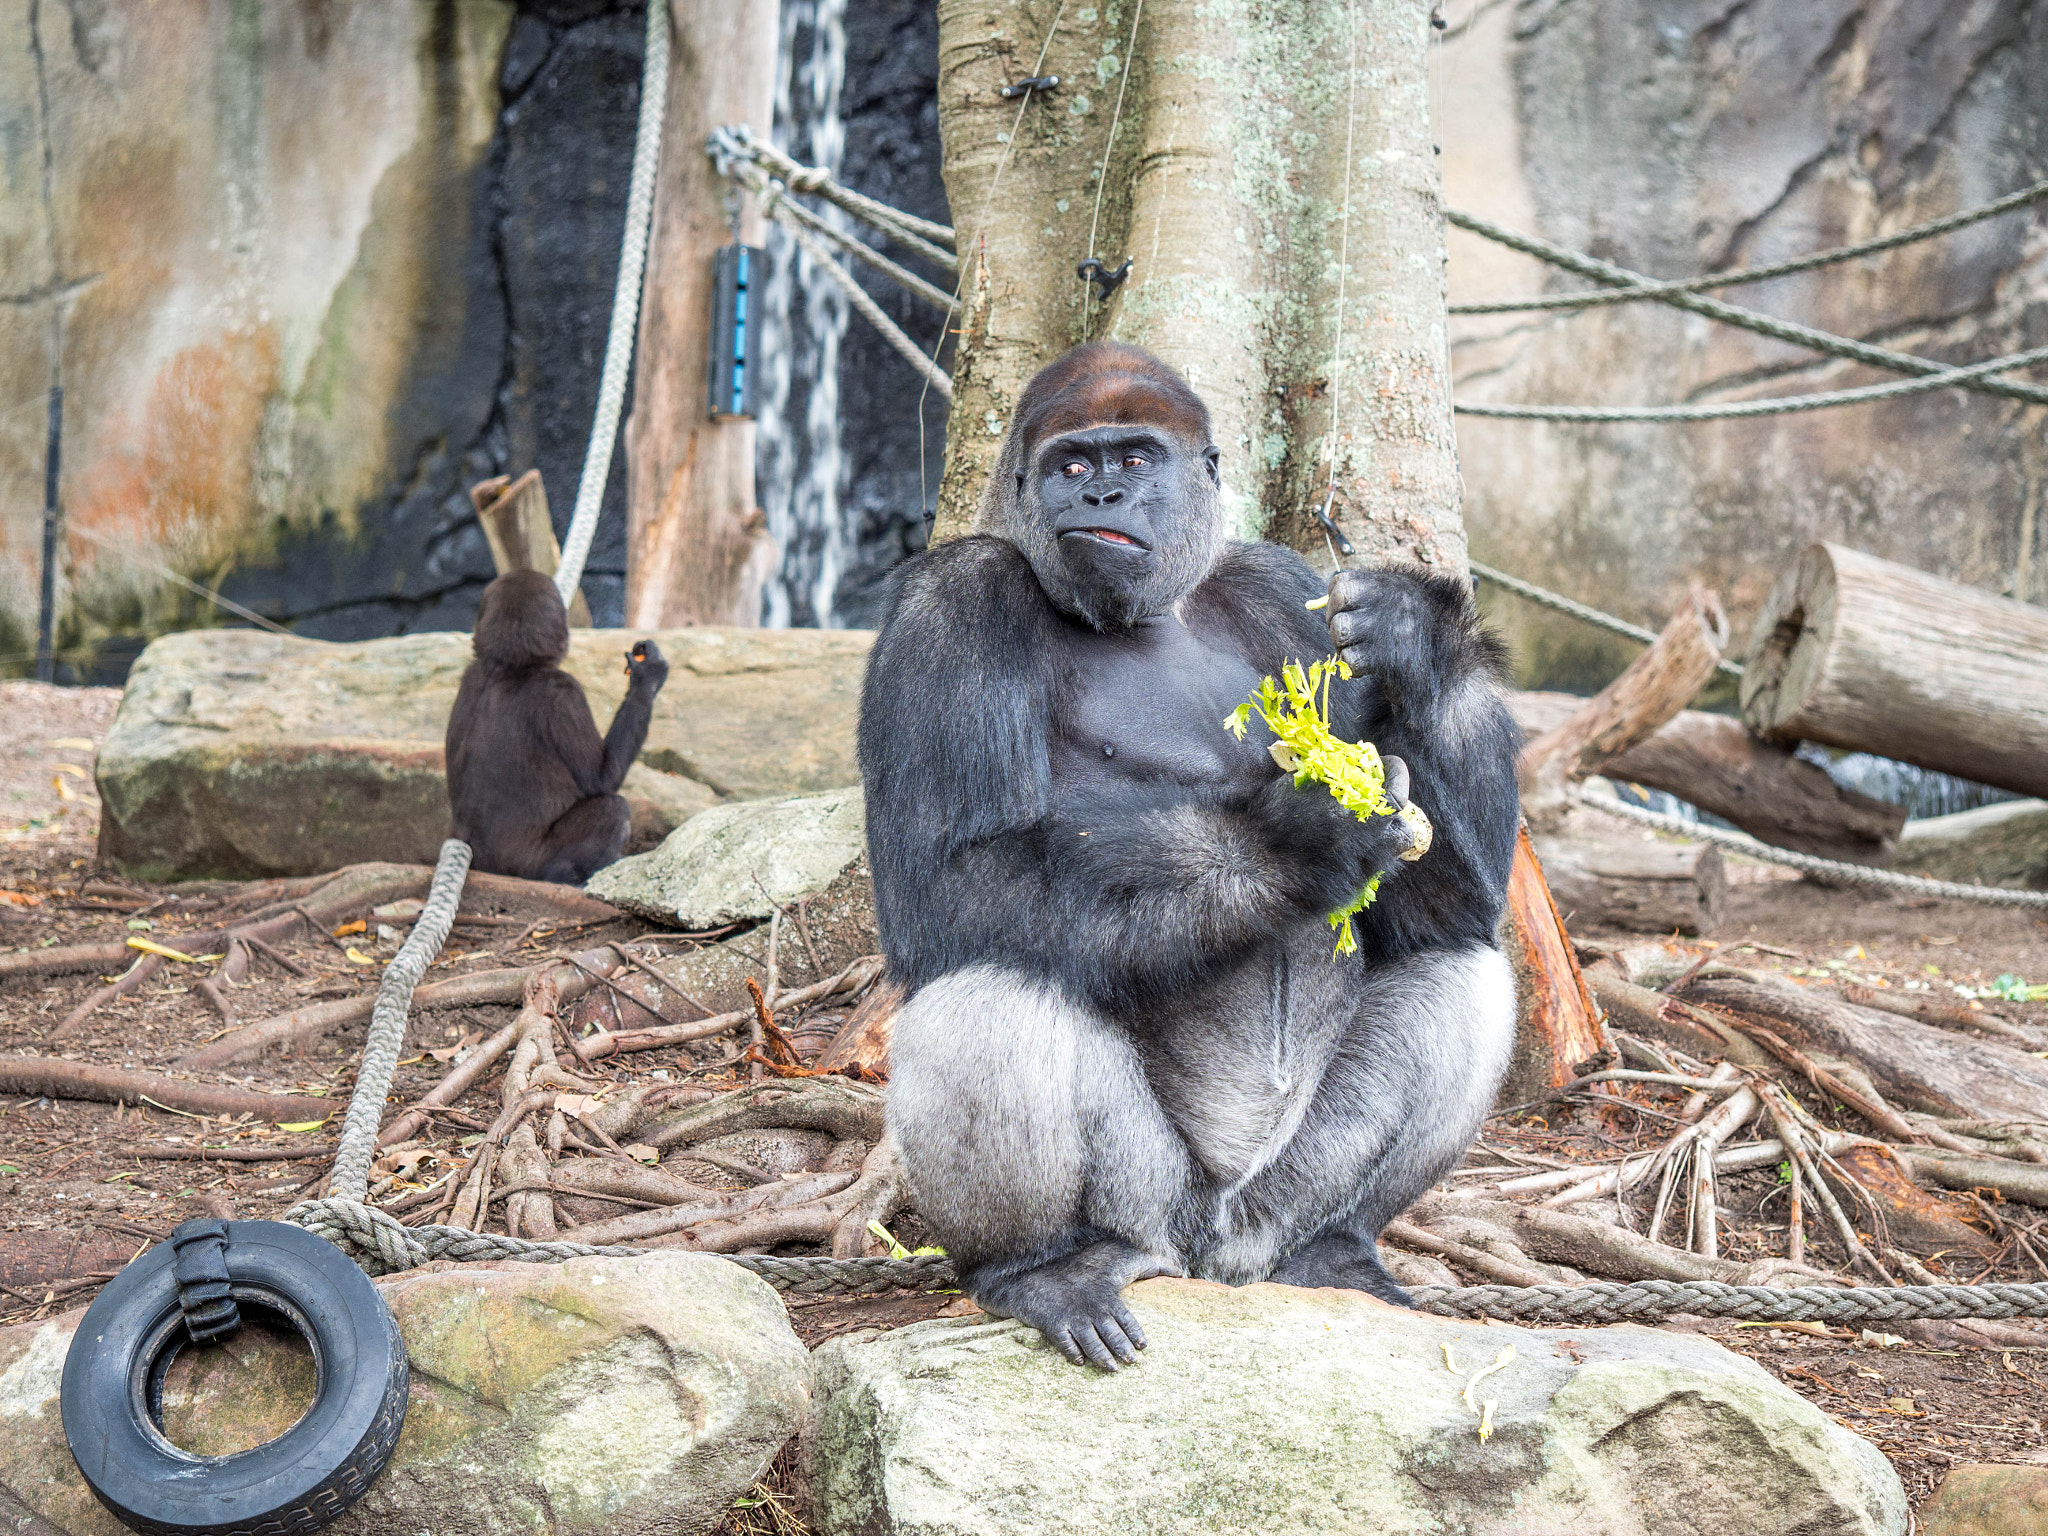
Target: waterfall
(798, 462)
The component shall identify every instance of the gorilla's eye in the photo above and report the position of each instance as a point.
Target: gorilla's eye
(1072, 468)
(1135, 461)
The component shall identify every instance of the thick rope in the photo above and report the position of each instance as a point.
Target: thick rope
(1543, 597)
(777, 204)
(1731, 314)
(870, 311)
(618, 346)
(358, 1145)
(1833, 869)
(923, 234)
(1917, 232)
(1777, 405)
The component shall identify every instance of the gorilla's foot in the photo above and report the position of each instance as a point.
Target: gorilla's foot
(1343, 1262)
(1076, 1301)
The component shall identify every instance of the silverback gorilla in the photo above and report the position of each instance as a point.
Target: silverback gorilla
(534, 789)
(1127, 1049)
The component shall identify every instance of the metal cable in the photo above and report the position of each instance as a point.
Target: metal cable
(1917, 232)
(1580, 611)
(618, 346)
(1780, 405)
(1731, 314)
(1806, 863)
(358, 1145)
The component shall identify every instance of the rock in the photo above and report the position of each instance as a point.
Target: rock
(1988, 1500)
(239, 754)
(661, 802)
(1275, 1409)
(2002, 844)
(606, 1396)
(741, 861)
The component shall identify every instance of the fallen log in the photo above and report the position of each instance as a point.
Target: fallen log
(1763, 787)
(2004, 844)
(1629, 882)
(57, 1079)
(1558, 1032)
(1858, 652)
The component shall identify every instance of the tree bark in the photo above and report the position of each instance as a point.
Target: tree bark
(1860, 653)
(1270, 176)
(1559, 1034)
(697, 547)
(1710, 761)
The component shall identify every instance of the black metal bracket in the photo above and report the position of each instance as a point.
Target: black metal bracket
(1026, 87)
(1330, 526)
(201, 1269)
(1107, 279)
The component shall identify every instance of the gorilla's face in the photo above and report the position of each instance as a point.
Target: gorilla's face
(1119, 521)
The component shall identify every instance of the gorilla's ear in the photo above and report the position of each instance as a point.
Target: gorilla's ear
(1211, 456)
(1020, 482)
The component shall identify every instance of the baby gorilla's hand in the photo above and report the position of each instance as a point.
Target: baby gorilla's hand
(645, 667)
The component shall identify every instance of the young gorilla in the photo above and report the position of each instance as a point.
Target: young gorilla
(535, 791)
(1127, 1050)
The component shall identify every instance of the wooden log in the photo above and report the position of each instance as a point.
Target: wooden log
(1860, 653)
(521, 531)
(1657, 685)
(1559, 1034)
(1712, 762)
(1623, 881)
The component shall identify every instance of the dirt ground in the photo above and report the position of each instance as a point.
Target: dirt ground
(84, 1187)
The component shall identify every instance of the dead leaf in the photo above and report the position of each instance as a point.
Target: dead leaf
(460, 1048)
(640, 1152)
(358, 926)
(20, 899)
(351, 951)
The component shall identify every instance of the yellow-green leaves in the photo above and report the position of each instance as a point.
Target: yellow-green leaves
(1296, 709)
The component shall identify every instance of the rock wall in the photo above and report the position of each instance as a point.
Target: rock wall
(1693, 136)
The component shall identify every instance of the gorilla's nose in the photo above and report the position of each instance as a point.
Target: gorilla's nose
(1108, 498)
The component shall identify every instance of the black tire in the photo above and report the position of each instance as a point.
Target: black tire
(113, 1393)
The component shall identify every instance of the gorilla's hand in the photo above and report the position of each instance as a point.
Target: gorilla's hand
(1309, 825)
(1077, 1301)
(1381, 623)
(645, 668)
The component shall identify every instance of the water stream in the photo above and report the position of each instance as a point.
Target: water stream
(799, 465)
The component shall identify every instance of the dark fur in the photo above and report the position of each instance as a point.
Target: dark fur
(1126, 1049)
(533, 787)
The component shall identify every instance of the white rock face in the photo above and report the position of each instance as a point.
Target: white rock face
(601, 1397)
(1272, 1409)
(741, 860)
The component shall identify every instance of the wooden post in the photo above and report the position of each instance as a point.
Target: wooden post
(697, 544)
(516, 524)
(1857, 652)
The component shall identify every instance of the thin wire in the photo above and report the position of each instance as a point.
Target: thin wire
(1102, 171)
(129, 553)
(980, 224)
(1343, 276)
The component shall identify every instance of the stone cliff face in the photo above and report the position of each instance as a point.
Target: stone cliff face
(307, 271)
(1691, 136)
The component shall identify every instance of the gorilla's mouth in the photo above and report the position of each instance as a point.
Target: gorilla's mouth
(1105, 536)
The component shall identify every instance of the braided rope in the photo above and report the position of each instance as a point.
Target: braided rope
(1909, 236)
(779, 205)
(1776, 405)
(1642, 1300)
(738, 139)
(1731, 314)
(1833, 869)
(1543, 597)
(358, 1144)
(618, 346)
(870, 311)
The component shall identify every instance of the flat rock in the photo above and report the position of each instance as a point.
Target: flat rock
(741, 860)
(2003, 844)
(1984, 1499)
(1275, 1409)
(239, 754)
(601, 1396)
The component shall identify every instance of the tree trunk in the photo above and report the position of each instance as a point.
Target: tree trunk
(697, 549)
(1270, 176)
(1857, 652)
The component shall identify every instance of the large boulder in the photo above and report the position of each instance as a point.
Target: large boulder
(239, 754)
(2002, 844)
(1276, 1409)
(741, 861)
(601, 1396)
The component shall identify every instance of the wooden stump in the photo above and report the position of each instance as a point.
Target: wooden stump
(521, 532)
(1860, 653)
(1559, 1034)
(1610, 875)
(863, 1040)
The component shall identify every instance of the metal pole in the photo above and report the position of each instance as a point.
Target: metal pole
(46, 665)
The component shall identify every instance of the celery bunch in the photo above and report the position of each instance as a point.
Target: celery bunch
(1296, 709)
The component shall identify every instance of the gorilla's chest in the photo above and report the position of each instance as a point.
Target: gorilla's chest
(1149, 704)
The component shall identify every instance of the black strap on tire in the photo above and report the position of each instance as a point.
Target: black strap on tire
(196, 1287)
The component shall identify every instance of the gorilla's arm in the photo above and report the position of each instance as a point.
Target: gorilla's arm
(1124, 890)
(1427, 690)
(646, 671)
